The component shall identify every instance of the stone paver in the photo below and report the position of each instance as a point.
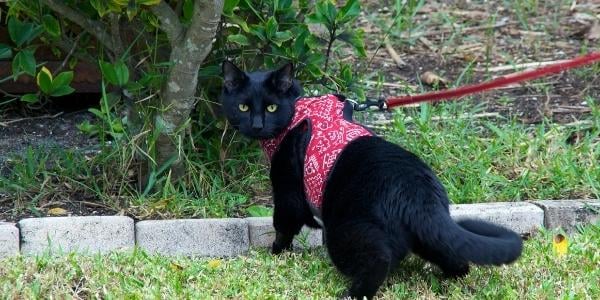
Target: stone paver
(9, 240)
(262, 234)
(522, 217)
(308, 238)
(232, 237)
(261, 231)
(194, 237)
(89, 234)
(567, 214)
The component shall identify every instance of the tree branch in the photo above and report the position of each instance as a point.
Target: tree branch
(97, 29)
(115, 32)
(169, 21)
(205, 21)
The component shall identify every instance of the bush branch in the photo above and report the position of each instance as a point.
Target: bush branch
(169, 21)
(97, 29)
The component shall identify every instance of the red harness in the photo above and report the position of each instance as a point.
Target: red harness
(330, 133)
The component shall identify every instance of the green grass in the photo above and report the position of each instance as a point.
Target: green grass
(478, 159)
(538, 274)
(494, 159)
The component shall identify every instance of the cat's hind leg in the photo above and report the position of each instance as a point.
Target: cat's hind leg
(450, 265)
(361, 251)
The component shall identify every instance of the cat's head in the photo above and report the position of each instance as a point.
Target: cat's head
(259, 104)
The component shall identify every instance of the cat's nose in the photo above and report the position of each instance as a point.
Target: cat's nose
(257, 124)
(257, 128)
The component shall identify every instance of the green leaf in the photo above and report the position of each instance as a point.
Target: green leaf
(63, 79)
(134, 86)
(355, 39)
(239, 39)
(349, 11)
(24, 61)
(258, 31)
(188, 10)
(97, 113)
(87, 128)
(122, 73)
(325, 13)
(259, 211)
(22, 32)
(115, 74)
(99, 6)
(5, 51)
(51, 25)
(105, 6)
(62, 90)
(147, 2)
(300, 43)
(229, 5)
(44, 81)
(108, 72)
(271, 27)
(281, 36)
(320, 14)
(239, 21)
(29, 98)
(60, 84)
(331, 12)
(131, 11)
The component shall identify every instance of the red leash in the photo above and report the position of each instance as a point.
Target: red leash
(495, 83)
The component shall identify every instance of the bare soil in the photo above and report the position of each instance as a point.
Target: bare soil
(553, 31)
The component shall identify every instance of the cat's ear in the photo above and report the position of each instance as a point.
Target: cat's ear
(282, 79)
(233, 77)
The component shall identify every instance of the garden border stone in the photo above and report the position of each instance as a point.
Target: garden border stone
(93, 234)
(567, 214)
(194, 237)
(9, 239)
(262, 234)
(522, 217)
(233, 236)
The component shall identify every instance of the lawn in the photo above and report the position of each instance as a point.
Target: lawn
(539, 274)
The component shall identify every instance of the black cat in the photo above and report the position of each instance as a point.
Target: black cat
(379, 203)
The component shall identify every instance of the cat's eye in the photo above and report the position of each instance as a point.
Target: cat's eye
(272, 108)
(243, 107)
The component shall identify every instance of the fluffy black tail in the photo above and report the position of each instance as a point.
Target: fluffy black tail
(476, 241)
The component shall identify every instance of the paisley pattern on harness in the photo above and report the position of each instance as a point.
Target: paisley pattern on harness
(329, 132)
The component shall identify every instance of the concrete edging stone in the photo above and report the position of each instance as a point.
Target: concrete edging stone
(93, 234)
(9, 239)
(233, 236)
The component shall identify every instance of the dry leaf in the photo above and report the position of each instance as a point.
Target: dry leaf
(433, 79)
(560, 245)
(57, 211)
(176, 267)
(214, 263)
(594, 32)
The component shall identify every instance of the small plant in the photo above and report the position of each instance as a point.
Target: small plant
(23, 34)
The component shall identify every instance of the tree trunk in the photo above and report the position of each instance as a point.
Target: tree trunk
(177, 95)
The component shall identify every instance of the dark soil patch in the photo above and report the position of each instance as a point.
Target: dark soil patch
(53, 129)
(74, 205)
(554, 32)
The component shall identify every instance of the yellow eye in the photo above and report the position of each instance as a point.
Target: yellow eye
(272, 108)
(243, 107)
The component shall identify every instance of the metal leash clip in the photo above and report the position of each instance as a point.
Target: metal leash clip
(379, 104)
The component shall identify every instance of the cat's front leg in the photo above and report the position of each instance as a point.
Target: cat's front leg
(291, 208)
(288, 218)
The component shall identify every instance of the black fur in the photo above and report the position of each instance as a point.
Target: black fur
(380, 202)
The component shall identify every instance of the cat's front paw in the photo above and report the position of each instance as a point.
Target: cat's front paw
(278, 248)
(457, 272)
